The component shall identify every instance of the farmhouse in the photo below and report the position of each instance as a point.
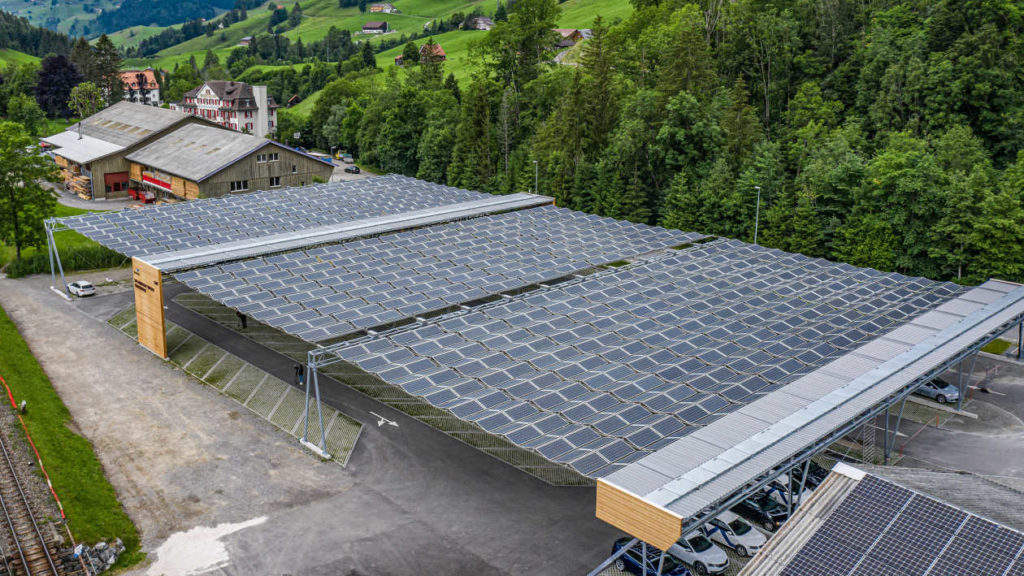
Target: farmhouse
(91, 153)
(429, 52)
(477, 23)
(385, 8)
(205, 161)
(375, 27)
(141, 86)
(234, 105)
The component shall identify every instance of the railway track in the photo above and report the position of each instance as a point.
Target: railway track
(27, 551)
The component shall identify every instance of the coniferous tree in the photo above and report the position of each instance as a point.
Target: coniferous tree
(108, 70)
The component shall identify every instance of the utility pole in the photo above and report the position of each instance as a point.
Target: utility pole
(757, 212)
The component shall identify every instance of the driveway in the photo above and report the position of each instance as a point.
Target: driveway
(210, 485)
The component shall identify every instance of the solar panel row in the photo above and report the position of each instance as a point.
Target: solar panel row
(330, 291)
(882, 528)
(597, 373)
(250, 216)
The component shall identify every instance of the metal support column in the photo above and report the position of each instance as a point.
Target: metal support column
(611, 559)
(963, 388)
(803, 482)
(1020, 338)
(313, 379)
(643, 556)
(55, 255)
(885, 439)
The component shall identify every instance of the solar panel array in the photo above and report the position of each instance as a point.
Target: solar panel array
(330, 291)
(599, 372)
(241, 216)
(882, 529)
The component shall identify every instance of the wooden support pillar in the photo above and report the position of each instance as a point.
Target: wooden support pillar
(149, 307)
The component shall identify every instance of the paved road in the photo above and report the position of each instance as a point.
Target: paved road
(992, 445)
(412, 500)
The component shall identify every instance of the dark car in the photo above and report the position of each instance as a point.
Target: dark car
(815, 475)
(352, 169)
(762, 509)
(631, 561)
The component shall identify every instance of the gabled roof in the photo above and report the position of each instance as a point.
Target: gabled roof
(224, 89)
(374, 24)
(81, 150)
(438, 51)
(197, 152)
(126, 123)
(131, 81)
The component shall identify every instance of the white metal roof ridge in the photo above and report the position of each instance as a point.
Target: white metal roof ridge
(774, 433)
(207, 255)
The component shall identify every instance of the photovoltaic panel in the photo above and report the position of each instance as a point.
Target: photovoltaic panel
(333, 290)
(198, 223)
(906, 534)
(676, 341)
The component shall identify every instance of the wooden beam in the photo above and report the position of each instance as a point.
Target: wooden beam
(637, 517)
(149, 307)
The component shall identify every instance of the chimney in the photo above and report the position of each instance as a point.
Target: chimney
(259, 94)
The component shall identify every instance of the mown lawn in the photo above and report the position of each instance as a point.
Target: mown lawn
(93, 512)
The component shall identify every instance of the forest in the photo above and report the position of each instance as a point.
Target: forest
(883, 133)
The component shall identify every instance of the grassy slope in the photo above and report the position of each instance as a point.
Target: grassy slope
(89, 500)
(133, 35)
(66, 12)
(8, 56)
(456, 46)
(581, 13)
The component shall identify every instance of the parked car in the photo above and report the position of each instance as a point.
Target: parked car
(730, 530)
(352, 169)
(632, 562)
(939, 391)
(82, 288)
(763, 510)
(701, 554)
(815, 475)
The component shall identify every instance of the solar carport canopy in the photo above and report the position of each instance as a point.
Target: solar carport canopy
(599, 372)
(330, 291)
(257, 215)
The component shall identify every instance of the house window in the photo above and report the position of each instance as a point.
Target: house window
(239, 185)
(275, 181)
(261, 158)
(273, 157)
(295, 169)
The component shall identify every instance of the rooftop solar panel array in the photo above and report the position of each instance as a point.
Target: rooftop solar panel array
(883, 528)
(259, 214)
(333, 290)
(597, 373)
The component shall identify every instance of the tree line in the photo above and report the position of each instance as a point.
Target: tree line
(885, 133)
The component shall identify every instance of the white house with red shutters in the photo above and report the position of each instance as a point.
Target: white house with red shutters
(235, 105)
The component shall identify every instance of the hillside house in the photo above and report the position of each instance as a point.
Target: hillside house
(477, 23)
(375, 27)
(141, 86)
(384, 8)
(234, 105)
(200, 161)
(568, 37)
(426, 54)
(245, 41)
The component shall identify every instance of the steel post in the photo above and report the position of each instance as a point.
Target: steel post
(661, 562)
(1020, 338)
(963, 389)
(311, 366)
(50, 247)
(320, 414)
(885, 439)
(643, 557)
(803, 481)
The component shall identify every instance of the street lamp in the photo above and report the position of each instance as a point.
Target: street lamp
(757, 212)
(536, 173)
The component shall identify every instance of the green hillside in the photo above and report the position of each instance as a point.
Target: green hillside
(8, 56)
(64, 15)
(132, 36)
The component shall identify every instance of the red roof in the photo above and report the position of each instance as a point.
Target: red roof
(130, 79)
(438, 51)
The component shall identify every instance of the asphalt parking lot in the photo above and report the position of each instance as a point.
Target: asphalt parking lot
(209, 484)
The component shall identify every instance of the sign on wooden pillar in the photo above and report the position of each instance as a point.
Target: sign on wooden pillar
(149, 307)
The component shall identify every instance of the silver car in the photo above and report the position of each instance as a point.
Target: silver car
(939, 391)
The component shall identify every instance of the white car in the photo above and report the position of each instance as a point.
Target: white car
(82, 288)
(700, 553)
(730, 530)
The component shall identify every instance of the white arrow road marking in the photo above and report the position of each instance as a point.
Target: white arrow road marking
(384, 420)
